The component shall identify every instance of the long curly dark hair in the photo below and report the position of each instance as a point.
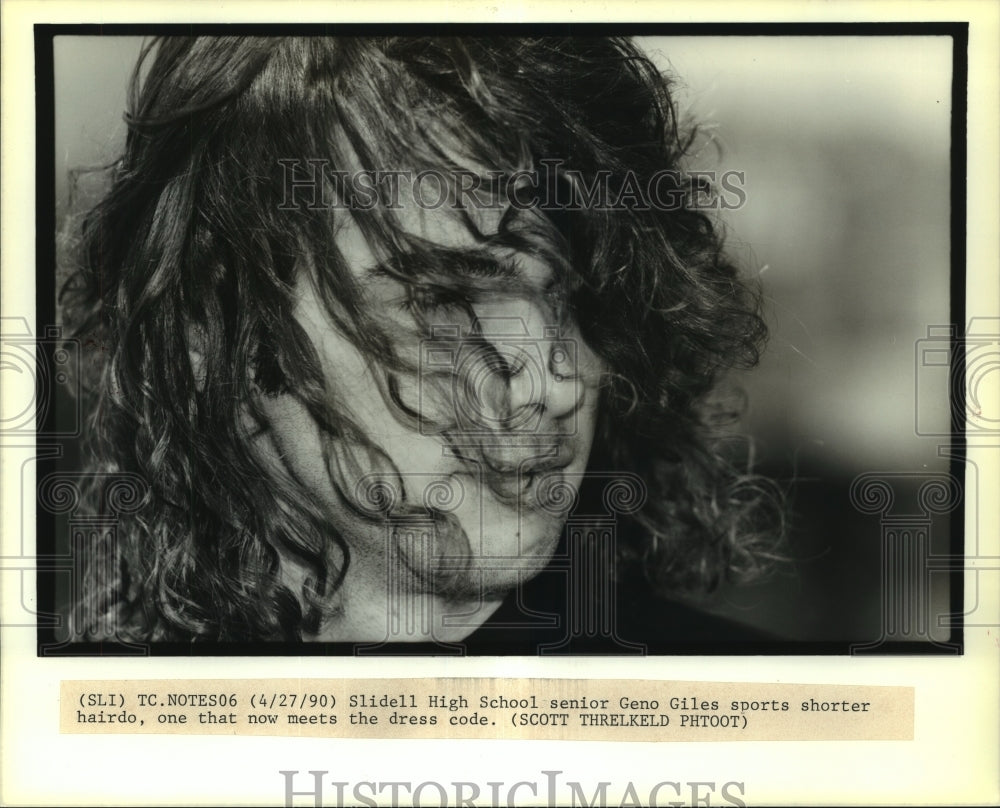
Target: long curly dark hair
(195, 242)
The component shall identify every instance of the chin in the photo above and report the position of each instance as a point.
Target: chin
(493, 578)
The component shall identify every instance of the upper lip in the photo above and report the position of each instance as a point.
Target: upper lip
(510, 462)
(535, 457)
(540, 465)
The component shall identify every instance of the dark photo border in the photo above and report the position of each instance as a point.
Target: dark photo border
(57, 437)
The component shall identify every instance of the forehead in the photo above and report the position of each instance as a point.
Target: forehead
(430, 212)
(456, 224)
(435, 192)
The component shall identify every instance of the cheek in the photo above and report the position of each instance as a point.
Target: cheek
(356, 397)
(292, 443)
(398, 452)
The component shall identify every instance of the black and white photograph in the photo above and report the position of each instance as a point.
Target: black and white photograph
(506, 342)
(439, 368)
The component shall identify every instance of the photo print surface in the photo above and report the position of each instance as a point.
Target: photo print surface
(500, 341)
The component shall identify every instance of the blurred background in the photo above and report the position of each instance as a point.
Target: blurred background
(844, 142)
(844, 146)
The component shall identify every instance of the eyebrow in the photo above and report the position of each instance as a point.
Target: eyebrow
(479, 264)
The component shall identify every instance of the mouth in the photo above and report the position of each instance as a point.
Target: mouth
(537, 466)
(510, 458)
(523, 475)
(534, 487)
(528, 459)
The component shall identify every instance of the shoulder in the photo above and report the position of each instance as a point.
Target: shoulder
(543, 618)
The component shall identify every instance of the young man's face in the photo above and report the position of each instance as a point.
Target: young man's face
(525, 398)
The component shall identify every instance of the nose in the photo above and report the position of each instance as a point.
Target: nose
(543, 376)
(541, 368)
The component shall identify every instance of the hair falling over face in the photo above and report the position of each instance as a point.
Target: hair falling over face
(195, 251)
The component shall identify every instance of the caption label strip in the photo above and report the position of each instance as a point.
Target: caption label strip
(516, 709)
